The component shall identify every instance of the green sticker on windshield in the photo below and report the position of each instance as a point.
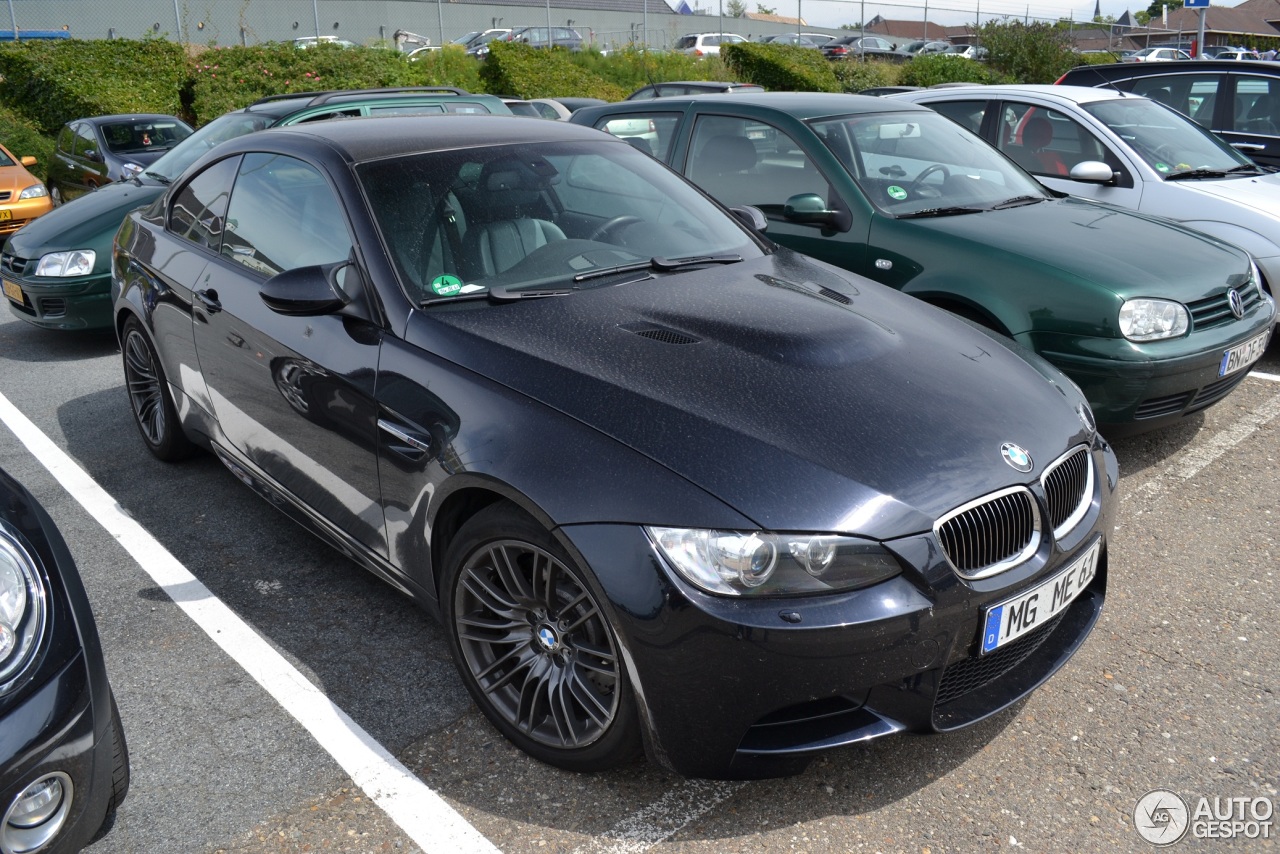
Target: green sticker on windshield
(896, 193)
(1162, 167)
(446, 286)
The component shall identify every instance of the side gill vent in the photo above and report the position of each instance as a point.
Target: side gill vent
(661, 334)
(835, 296)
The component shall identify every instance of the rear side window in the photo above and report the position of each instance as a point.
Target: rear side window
(198, 211)
(967, 114)
(1257, 105)
(652, 133)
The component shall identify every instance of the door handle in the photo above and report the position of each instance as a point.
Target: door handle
(209, 299)
(414, 447)
(1248, 146)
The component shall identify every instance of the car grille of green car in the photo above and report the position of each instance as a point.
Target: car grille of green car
(1216, 310)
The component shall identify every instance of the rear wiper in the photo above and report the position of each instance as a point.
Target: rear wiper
(1196, 173)
(1017, 201)
(161, 178)
(951, 211)
(659, 263)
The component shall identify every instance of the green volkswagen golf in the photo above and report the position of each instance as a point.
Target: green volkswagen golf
(1152, 320)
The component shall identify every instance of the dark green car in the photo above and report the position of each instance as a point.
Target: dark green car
(57, 271)
(1152, 320)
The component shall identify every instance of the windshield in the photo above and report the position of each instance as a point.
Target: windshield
(508, 221)
(906, 163)
(1168, 141)
(219, 130)
(139, 137)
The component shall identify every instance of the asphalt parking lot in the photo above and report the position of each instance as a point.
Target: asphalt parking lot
(1175, 690)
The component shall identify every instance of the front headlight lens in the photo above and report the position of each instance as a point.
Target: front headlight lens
(77, 262)
(755, 563)
(35, 191)
(21, 609)
(1153, 319)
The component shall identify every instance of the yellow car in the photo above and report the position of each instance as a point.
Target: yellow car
(23, 196)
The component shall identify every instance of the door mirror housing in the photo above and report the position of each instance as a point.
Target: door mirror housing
(811, 209)
(1092, 172)
(309, 291)
(751, 217)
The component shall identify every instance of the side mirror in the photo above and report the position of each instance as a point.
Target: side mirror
(93, 156)
(28, 160)
(811, 209)
(751, 217)
(1092, 172)
(308, 291)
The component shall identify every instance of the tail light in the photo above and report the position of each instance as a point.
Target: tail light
(697, 51)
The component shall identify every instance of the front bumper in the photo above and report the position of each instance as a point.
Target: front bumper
(23, 211)
(738, 688)
(1134, 388)
(79, 303)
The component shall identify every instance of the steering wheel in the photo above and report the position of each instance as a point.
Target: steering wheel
(925, 173)
(608, 228)
(1165, 153)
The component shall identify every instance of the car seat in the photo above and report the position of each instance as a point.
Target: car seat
(505, 231)
(1037, 134)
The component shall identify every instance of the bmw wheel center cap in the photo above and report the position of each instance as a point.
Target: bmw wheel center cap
(547, 639)
(1016, 456)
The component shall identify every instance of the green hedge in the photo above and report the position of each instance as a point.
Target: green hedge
(780, 67)
(629, 69)
(53, 82)
(522, 71)
(21, 137)
(930, 70)
(855, 75)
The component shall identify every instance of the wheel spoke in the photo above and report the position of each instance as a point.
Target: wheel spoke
(582, 618)
(516, 654)
(597, 659)
(490, 596)
(509, 573)
(586, 693)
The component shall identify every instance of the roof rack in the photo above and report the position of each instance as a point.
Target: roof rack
(337, 94)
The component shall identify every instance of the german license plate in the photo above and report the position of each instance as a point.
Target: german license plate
(5, 214)
(12, 291)
(1013, 618)
(1238, 358)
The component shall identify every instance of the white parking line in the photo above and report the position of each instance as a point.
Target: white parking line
(422, 814)
(1258, 375)
(662, 819)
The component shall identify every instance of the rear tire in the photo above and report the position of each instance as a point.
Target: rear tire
(534, 646)
(153, 411)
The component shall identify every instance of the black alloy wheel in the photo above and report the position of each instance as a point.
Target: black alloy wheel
(535, 648)
(153, 409)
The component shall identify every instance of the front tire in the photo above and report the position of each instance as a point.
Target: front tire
(149, 398)
(535, 648)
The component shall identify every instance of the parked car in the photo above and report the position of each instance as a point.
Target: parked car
(23, 196)
(1128, 151)
(922, 47)
(577, 103)
(690, 87)
(1240, 102)
(479, 37)
(442, 342)
(56, 271)
(540, 108)
(565, 37)
(64, 762)
(1135, 309)
(849, 47)
(793, 39)
(967, 51)
(317, 41)
(96, 151)
(705, 44)
(1156, 54)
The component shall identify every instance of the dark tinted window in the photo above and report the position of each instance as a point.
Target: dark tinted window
(283, 215)
(198, 210)
(84, 141)
(967, 114)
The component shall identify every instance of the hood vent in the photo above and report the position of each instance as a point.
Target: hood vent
(835, 296)
(661, 334)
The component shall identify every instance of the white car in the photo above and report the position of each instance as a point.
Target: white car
(1129, 151)
(1157, 54)
(706, 44)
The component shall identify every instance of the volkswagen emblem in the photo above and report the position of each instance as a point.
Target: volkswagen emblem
(547, 639)
(1237, 304)
(1016, 457)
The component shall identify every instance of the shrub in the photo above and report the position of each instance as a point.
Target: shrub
(522, 71)
(629, 68)
(855, 75)
(780, 67)
(1027, 53)
(21, 137)
(53, 82)
(929, 70)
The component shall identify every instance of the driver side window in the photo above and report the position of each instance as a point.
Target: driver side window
(741, 161)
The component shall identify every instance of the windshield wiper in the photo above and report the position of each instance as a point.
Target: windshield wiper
(161, 178)
(659, 263)
(951, 211)
(1245, 167)
(1018, 201)
(1196, 173)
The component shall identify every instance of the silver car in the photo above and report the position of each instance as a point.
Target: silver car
(1129, 151)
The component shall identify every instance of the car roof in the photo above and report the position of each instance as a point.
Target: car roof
(801, 105)
(127, 117)
(281, 106)
(360, 140)
(1064, 94)
(1140, 69)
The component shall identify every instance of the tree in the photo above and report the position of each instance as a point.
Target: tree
(1155, 10)
(857, 26)
(1142, 18)
(765, 10)
(1028, 53)
(736, 8)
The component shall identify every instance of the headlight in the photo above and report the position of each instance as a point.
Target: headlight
(1153, 319)
(22, 609)
(754, 563)
(35, 191)
(78, 262)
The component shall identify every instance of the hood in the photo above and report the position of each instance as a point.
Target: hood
(805, 397)
(15, 179)
(1129, 254)
(87, 222)
(1259, 192)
